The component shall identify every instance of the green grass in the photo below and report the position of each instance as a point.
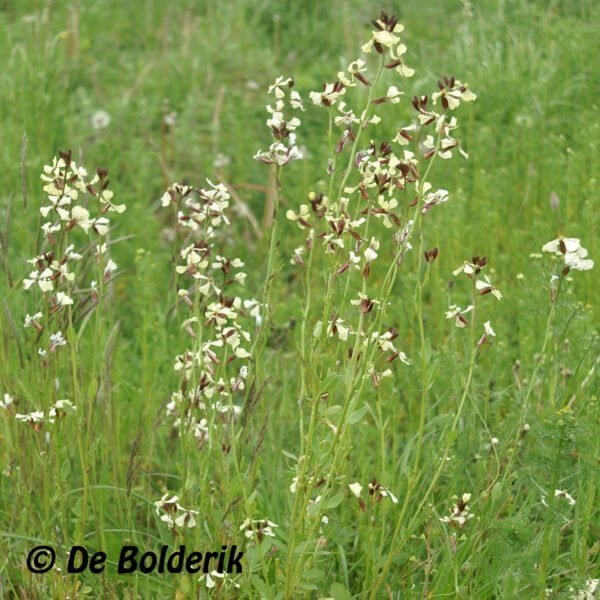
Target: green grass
(533, 132)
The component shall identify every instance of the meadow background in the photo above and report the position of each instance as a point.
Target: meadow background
(532, 137)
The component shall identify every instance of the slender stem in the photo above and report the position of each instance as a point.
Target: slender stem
(450, 437)
(259, 341)
(533, 378)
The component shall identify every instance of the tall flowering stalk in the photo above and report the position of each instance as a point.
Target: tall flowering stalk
(75, 229)
(69, 279)
(575, 258)
(205, 409)
(214, 368)
(378, 202)
(280, 153)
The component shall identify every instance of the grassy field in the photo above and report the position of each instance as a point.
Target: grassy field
(385, 448)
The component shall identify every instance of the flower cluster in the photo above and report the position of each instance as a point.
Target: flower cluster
(38, 418)
(460, 513)
(284, 148)
(216, 579)
(572, 251)
(70, 195)
(376, 492)
(589, 592)
(482, 286)
(382, 187)
(385, 40)
(382, 171)
(258, 528)
(173, 514)
(214, 368)
(565, 495)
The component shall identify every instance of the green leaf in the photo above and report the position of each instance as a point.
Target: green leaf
(451, 437)
(65, 469)
(262, 587)
(357, 415)
(496, 492)
(92, 389)
(331, 410)
(339, 592)
(289, 455)
(334, 502)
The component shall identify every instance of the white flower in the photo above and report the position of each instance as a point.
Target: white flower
(277, 87)
(356, 488)
(459, 514)
(110, 267)
(49, 228)
(488, 329)
(258, 528)
(329, 96)
(378, 491)
(210, 580)
(565, 495)
(63, 300)
(471, 268)
(170, 507)
(297, 257)
(393, 95)
(338, 328)
(485, 287)
(33, 320)
(210, 583)
(34, 419)
(81, 217)
(370, 253)
(562, 245)
(105, 197)
(387, 494)
(56, 340)
(254, 307)
(572, 250)
(58, 203)
(186, 519)
(383, 37)
(403, 137)
(576, 261)
(588, 592)
(280, 154)
(438, 197)
(457, 313)
(6, 401)
(100, 119)
(487, 333)
(170, 119)
(452, 93)
(101, 225)
(301, 217)
(221, 160)
(43, 279)
(398, 62)
(60, 409)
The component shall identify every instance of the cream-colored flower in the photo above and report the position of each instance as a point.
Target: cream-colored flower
(356, 488)
(457, 313)
(485, 286)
